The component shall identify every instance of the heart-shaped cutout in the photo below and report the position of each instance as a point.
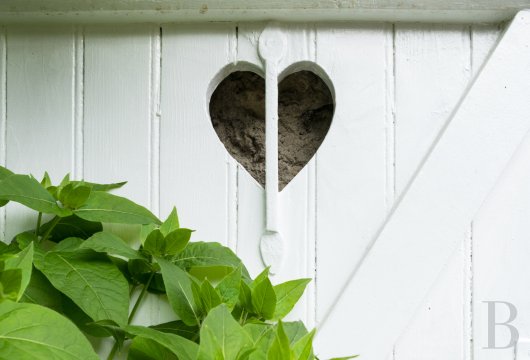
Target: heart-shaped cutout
(305, 109)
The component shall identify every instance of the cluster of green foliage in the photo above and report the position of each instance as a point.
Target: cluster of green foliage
(69, 278)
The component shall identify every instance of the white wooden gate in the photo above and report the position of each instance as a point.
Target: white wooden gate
(109, 103)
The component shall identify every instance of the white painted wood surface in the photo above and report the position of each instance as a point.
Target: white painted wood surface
(142, 11)
(40, 81)
(475, 146)
(442, 325)
(132, 102)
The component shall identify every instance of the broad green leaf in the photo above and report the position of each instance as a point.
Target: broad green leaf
(29, 192)
(209, 296)
(257, 330)
(261, 277)
(178, 327)
(140, 270)
(227, 332)
(146, 349)
(263, 336)
(8, 249)
(176, 241)
(158, 244)
(288, 294)
(179, 292)
(171, 223)
(46, 181)
(209, 348)
(65, 181)
(229, 288)
(23, 261)
(145, 230)
(3, 174)
(245, 297)
(68, 244)
(264, 299)
(40, 291)
(81, 319)
(33, 332)
(155, 244)
(197, 298)
(280, 348)
(72, 196)
(105, 207)
(295, 330)
(109, 328)
(24, 239)
(100, 187)
(71, 226)
(10, 281)
(208, 254)
(111, 244)
(183, 348)
(92, 281)
(303, 348)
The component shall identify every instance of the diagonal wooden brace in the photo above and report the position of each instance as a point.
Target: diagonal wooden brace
(432, 216)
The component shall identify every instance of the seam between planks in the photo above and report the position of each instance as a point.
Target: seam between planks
(155, 61)
(468, 296)
(468, 254)
(311, 220)
(78, 104)
(3, 118)
(232, 167)
(390, 126)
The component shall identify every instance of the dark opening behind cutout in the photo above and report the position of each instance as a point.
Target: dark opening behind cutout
(237, 110)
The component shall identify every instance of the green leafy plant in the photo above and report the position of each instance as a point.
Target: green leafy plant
(69, 280)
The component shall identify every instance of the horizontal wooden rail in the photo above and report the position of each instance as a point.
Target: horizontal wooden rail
(162, 11)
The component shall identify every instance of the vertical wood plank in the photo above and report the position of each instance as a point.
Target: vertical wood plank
(40, 78)
(351, 171)
(117, 107)
(502, 214)
(501, 251)
(432, 71)
(119, 104)
(296, 213)
(193, 160)
(3, 125)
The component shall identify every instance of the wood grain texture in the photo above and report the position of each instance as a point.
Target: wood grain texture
(436, 209)
(352, 159)
(117, 108)
(193, 160)
(40, 71)
(433, 69)
(245, 10)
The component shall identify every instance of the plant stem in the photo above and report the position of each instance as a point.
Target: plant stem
(54, 222)
(39, 219)
(113, 351)
(139, 300)
(133, 312)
